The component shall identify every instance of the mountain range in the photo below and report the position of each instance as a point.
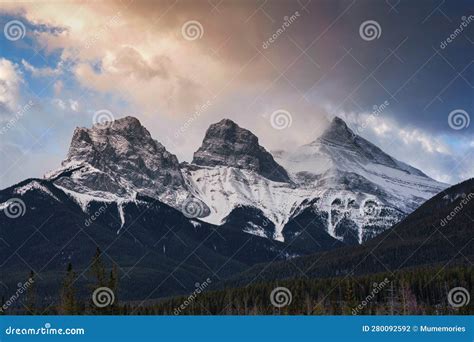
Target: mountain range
(354, 188)
(168, 225)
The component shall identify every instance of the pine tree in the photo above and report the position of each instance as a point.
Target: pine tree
(113, 285)
(97, 269)
(31, 295)
(68, 293)
(349, 299)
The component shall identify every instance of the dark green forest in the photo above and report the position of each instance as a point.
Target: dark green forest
(417, 291)
(421, 291)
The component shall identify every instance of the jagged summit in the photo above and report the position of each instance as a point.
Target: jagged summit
(103, 142)
(128, 125)
(338, 175)
(119, 157)
(338, 131)
(228, 144)
(340, 147)
(126, 122)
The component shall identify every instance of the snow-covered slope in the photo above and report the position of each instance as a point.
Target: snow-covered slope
(349, 182)
(340, 159)
(225, 188)
(350, 186)
(356, 183)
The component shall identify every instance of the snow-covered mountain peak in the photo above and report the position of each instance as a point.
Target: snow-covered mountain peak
(338, 131)
(121, 158)
(339, 157)
(341, 148)
(227, 144)
(337, 179)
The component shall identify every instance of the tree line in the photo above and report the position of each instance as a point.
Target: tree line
(418, 291)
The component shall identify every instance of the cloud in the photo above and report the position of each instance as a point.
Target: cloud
(429, 152)
(150, 83)
(74, 105)
(10, 81)
(138, 50)
(59, 103)
(135, 52)
(427, 142)
(381, 129)
(69, 104)
(41, 72)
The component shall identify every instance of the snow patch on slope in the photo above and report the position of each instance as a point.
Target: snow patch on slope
(226, 188)
(83, 200)
(34, 185)
(252, 228)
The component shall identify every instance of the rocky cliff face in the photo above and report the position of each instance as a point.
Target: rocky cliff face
(119, 158)
(227, 144)
(348, 186)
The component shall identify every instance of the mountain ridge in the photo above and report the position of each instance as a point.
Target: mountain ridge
(121, 190)
(342, 174)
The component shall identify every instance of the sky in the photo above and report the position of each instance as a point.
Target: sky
(400, 73)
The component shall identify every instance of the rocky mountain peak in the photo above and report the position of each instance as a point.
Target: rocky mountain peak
(339, 147)
(338, 131)
(228, 144)
(121, 154)
(128, 127)
(128, 123)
